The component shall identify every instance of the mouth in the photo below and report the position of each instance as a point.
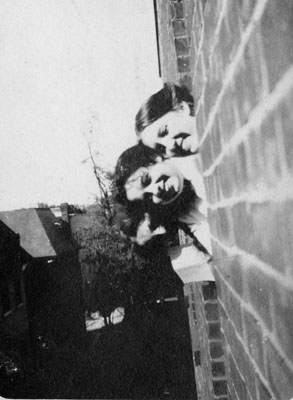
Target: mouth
(179, 148)
(167, 191)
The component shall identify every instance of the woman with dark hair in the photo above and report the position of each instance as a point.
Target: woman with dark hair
(165, 122)
(158, 197)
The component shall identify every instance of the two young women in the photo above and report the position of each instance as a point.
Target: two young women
(159, 179)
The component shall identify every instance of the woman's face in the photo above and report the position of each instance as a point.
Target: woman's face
(173, 134)
(161, 183)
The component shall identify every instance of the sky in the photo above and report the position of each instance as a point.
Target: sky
(70, 70)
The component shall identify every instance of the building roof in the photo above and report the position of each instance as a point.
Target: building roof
(6, 231)
(41, 233)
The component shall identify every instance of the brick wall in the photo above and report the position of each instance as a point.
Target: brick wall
(208, 358)
(237, 55)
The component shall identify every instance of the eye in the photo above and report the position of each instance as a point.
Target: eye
(163, 178)
(163, 132)
(146, 180)
(161, 149)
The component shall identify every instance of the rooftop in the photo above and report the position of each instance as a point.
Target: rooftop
(41, 233)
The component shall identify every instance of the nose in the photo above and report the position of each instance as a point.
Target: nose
(168, 142)
(155, 188)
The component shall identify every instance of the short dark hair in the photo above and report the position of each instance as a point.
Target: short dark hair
(160, 103)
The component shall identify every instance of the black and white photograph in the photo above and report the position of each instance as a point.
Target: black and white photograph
(146, 199)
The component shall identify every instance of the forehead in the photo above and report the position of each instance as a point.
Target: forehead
(152, 132)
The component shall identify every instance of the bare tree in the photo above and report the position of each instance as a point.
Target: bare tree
(102, 176)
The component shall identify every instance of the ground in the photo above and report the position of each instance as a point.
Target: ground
(128, 360)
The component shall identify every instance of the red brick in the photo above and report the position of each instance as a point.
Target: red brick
(255, 160)
(263, 391)
(244, 91)
(200, 122)
(210, 20)
(211, 11)
(179, 28)
(241, 167)
(197, 24)
(206, 152)
(260, 292)
(276, 24)
(235, 344)
(216, 349)
(273, 236)
(232, 395)
(212, 90)
(232, 270)
(224, 317)
(271, 239)
(225, 226)
(213, 182)
(209, 291)
(245, 8)
(214, 329)
(211, 311)
(220, 387)
(264, 161)
(189, 14)
(254, 339)
(185, 80)
(183, 64)
(211, 196)
(220, 283)
(280, 376)
(218, 369)
(233, 22)
(182, 46)
(248, 80)
(229, 36)
(249, 375)
(226, 177)
(226, 116)
(199, 77)
(233, 308)
(286, 119)
(243, 223)
(216, 138)
(217, 184)
(238, 381)
(225, 42)
(282, 308)
(177, 10)
(196, 358)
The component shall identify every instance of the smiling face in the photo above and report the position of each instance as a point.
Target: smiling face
(162, 183)
(173, 134)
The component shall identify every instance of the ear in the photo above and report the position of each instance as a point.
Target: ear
(184, 107)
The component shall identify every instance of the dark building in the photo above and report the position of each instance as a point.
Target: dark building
(51, 274)
(13, 323)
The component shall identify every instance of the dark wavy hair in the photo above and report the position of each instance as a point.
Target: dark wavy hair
(129, 161)
(160, 103)
(165, 215)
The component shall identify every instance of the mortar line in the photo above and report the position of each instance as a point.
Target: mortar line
(281, 192)
(200, 48)
(266, 333)
(218, 28)
(254, 364)
(257, 14)
(248, 258)
(257, 116)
